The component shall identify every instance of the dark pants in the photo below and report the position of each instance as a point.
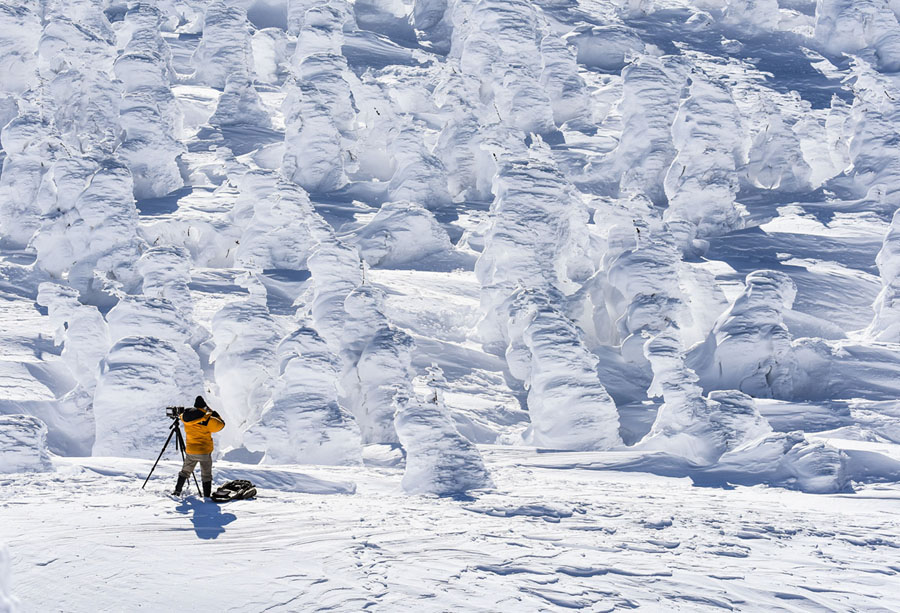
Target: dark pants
(191, 460)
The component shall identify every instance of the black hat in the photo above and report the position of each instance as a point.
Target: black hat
(200, 403)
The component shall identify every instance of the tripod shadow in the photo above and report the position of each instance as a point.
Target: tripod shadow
(208, 519)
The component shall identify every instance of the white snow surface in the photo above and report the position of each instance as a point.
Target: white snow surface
(482, 288)
(561, 532)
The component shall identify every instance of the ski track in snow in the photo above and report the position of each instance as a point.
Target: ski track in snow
(87, 538)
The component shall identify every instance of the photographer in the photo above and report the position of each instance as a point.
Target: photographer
(199, 424)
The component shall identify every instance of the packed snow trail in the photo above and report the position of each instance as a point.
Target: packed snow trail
(548, 539)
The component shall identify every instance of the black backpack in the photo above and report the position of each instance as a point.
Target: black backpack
(234, 490)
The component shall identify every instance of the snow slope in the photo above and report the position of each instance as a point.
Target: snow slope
(412, 240)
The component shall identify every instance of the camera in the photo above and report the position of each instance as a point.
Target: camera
(174, 412)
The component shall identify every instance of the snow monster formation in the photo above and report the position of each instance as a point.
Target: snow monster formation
(23, 445)
(318, 111)
(152, 365)
(534, 250)
(439, 460)
(702, 181)
(303, 423)
(89, 227)
(860, 26)
(149, 114)
(224, 50)
(749, 348)
(650, 98)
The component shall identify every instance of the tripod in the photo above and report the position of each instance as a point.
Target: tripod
(175, 430)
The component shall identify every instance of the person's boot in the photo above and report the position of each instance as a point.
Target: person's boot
(207, 489)
(179, 485)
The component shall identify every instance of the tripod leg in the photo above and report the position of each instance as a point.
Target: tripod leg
(171, 432)
(179, 440)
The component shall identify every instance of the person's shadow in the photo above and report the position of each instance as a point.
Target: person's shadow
(208, 519)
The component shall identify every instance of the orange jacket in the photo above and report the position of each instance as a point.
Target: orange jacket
(198, 428)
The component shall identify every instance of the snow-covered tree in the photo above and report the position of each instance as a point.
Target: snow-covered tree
(225, 48)
(89, 227)
(702, 181)
(439, 460)
(853, 26)
(30, 146)
(749, 348)
(304, 423)
(140, 376)
(23, 448)
(401, 234)
(149, 114)
(246, 336)
(568, 406)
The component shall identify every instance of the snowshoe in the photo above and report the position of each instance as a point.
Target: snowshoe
(234, 490)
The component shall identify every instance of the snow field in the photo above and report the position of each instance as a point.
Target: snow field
(552, 536)
(611, 277)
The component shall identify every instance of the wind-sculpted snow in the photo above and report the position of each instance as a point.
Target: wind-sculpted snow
(89, 227)
(873, 130)
(30, 146)
(269, 47)
(776, 158)
(470, 169)
(605, 47)
(140, 376)
(536, 243)
(496, 33)
(650, 97)
(68, 45)
(240, 106)
(166, 273)
(23, 447)
(432, 23)
(156, 317)
(80, 329)
(566, 88)
(246, 336)
(500, 47)
(537, 238)
(689, 424)
(568, 406)
(644, 295)
(854, 26)
(377, 359)
(749, 349)
(86, 104)
(702, 182)
(420, 177)
(886, 324)
(786, 459)
(283, 229)
(149, 114)
(224, 50)
(336, 271)
(20, 29)
(318, 110)
(313, 156)
(439, 460)
(754, 16)
(401, 234)
(303, 423)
